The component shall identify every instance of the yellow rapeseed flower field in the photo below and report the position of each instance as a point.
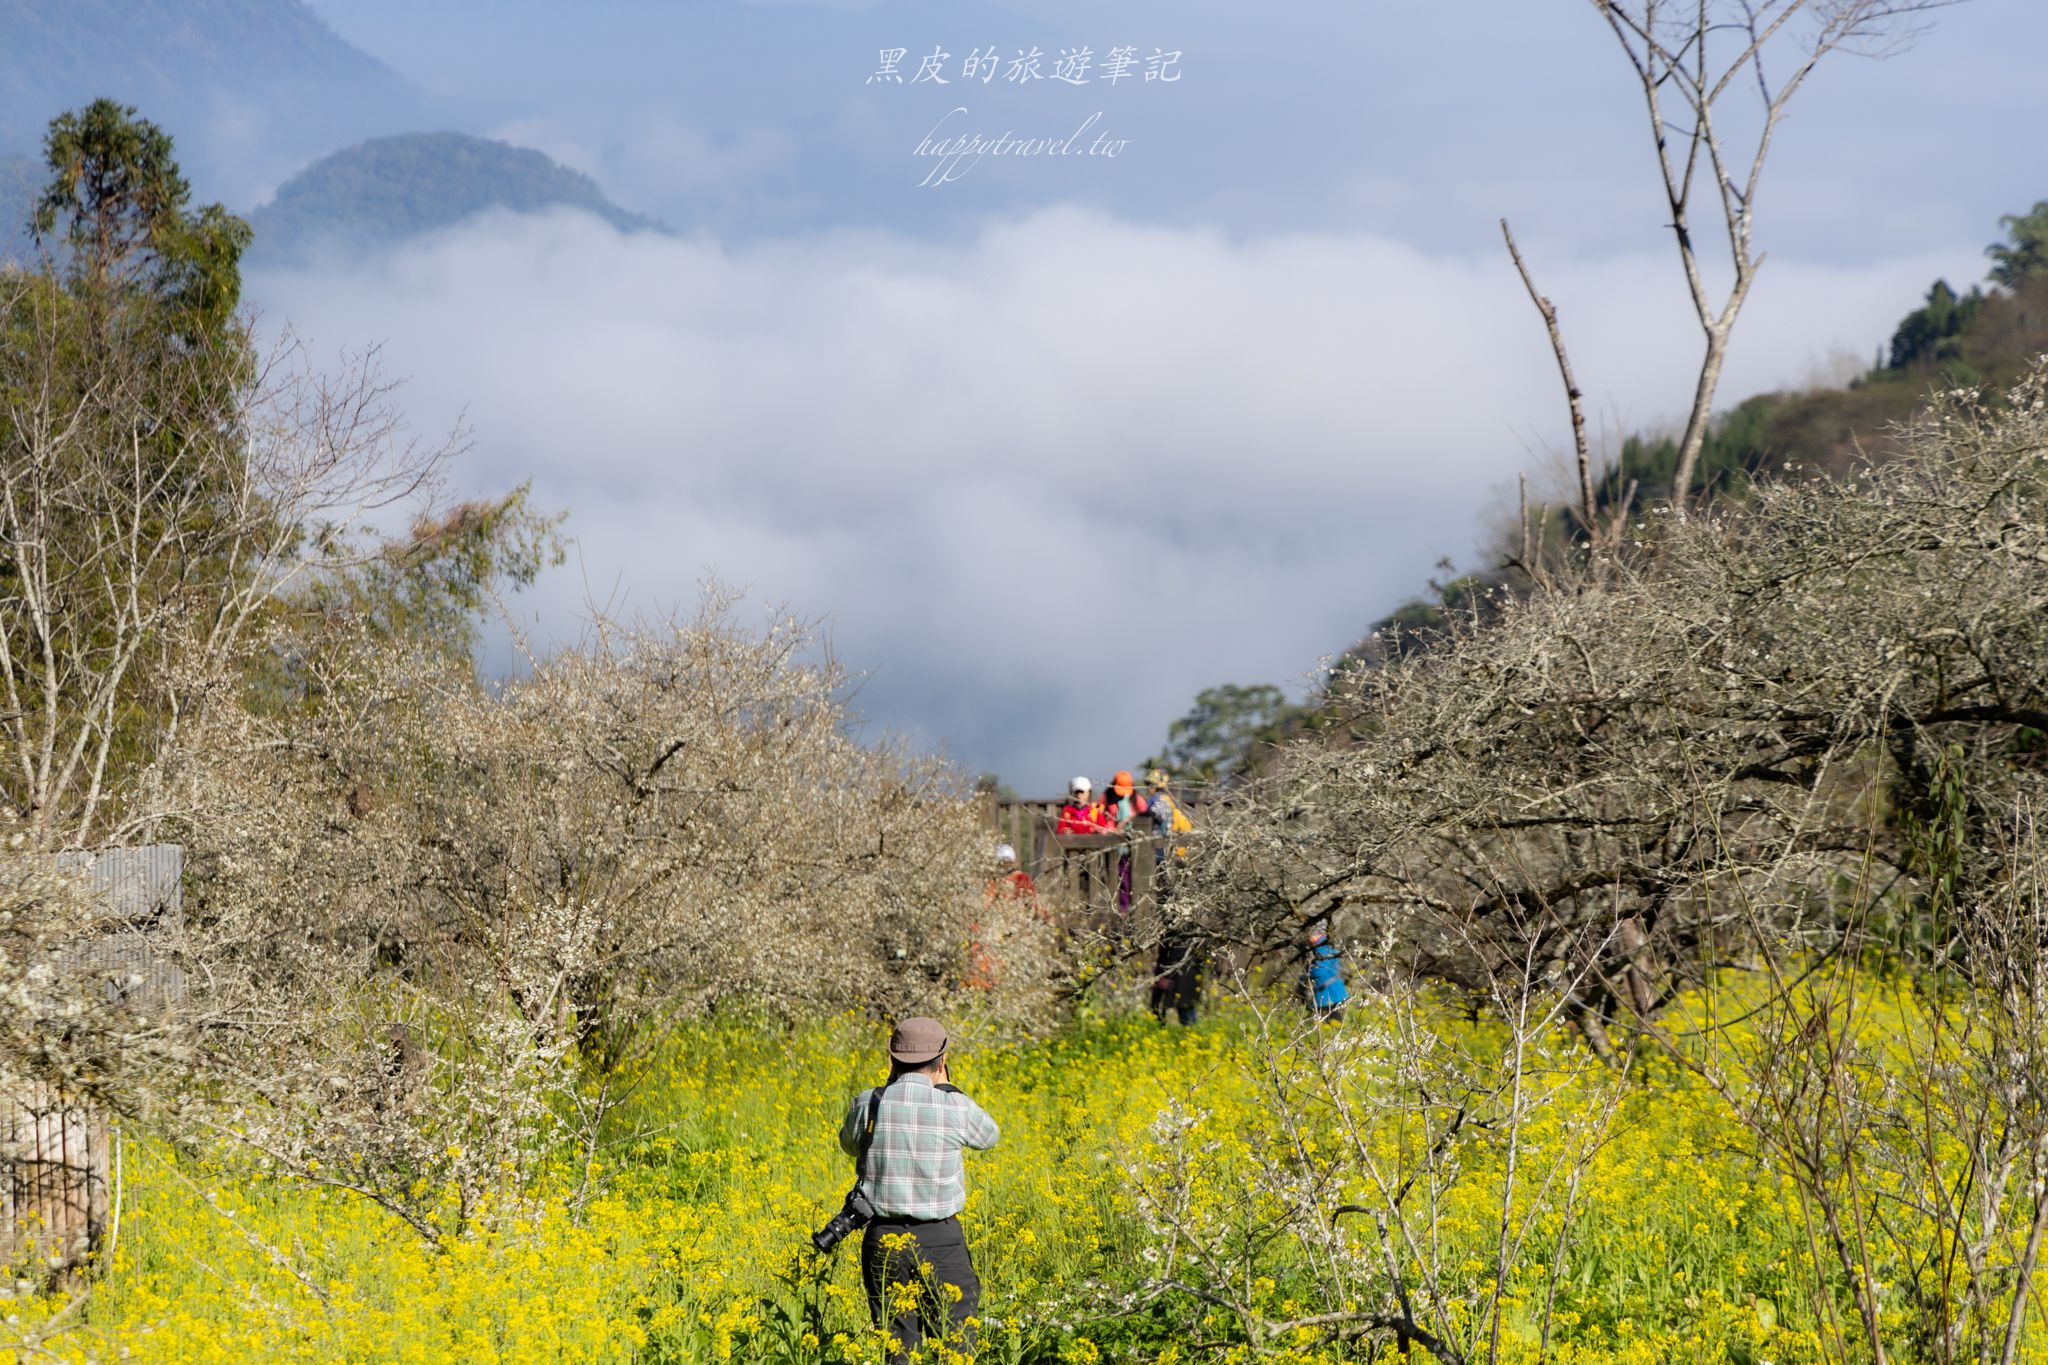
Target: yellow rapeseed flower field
(688, 1240)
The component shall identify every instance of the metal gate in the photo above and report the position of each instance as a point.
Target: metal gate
(56, 1158)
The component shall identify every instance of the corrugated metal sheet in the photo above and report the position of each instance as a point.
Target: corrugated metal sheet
(132, 970)
(143, 888)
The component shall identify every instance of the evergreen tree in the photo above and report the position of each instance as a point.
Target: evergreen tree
(1922, 333)
(118, 211)
(165, 502)
(2025, 256)
(1221, 736)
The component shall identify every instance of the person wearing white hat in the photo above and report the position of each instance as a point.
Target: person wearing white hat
(1083, 814)
(1011, 881)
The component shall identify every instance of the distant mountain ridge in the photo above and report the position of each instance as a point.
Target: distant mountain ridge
(234, 81)
(391, 188)
(253, 90)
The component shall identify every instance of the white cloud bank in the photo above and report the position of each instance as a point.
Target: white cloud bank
(1046, 486)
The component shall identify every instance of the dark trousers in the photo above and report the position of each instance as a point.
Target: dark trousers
(935, 1257)
(1177, 983)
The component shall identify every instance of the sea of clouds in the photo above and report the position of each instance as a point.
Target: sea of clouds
(1044, 485)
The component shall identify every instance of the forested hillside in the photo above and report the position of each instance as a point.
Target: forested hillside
(395, 187)
(1985, 338)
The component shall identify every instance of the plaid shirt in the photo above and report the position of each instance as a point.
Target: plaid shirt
(914, 1166)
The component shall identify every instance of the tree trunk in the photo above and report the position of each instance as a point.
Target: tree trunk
(1696, 425)
(2023, 1279)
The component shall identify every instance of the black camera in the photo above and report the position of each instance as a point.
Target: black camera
(855, 1214)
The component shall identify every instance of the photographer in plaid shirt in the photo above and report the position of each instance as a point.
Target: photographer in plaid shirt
(918, 1183)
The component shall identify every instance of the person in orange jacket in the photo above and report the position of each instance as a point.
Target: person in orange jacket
(1013, 883)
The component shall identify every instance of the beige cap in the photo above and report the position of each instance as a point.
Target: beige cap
(917, 1040)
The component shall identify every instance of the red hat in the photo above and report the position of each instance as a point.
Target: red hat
(1121, 784)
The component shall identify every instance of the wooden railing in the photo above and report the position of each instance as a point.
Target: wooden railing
(1094, 875)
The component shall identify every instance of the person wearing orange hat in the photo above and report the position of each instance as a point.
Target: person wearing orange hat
(1124, 806)
(1123, 801)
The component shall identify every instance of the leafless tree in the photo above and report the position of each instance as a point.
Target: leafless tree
(1716, 78)
(1691, 803)
(1908, 1117)
(432, 916)
(1370, 1134)
(152, 507)
(1694, 749)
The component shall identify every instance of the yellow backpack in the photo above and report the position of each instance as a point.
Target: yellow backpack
(1180, 824)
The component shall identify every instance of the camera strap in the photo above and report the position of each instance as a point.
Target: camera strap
(867, 1137)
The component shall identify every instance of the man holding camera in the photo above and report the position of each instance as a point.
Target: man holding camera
(906, 1140)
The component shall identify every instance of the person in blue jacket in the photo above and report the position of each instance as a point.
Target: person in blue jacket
(1326, 989)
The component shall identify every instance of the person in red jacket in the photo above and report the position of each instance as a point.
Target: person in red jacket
(1083, 814)
(1010, 884)
(1011, 881)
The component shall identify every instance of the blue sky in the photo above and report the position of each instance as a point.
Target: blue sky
(1426, 121)
(1051, 448)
